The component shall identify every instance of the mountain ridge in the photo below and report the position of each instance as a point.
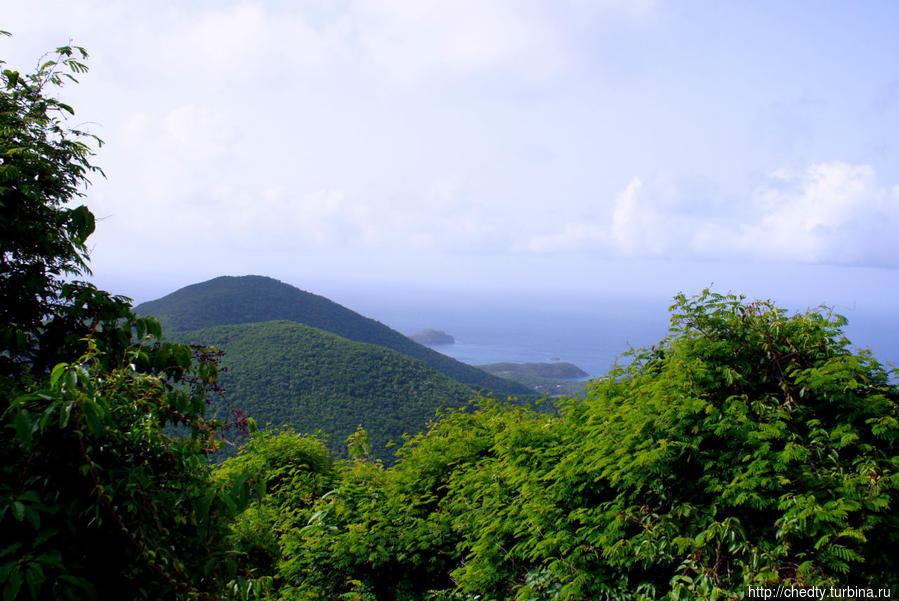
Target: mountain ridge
(235, 300)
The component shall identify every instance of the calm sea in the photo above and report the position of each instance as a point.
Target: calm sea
(591, 334)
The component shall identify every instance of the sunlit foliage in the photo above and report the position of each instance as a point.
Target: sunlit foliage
(750, 447)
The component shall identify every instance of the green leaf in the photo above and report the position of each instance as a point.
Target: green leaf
(154, 327)
(65, 414)
(13, 584)
(34, 576)
(7, 567)
(57, 372)
(12, 78)
(203, 505)
(25, 427)
(82, 583)
(34, 517)
(51, 558)
(94, 413)
(82, 222)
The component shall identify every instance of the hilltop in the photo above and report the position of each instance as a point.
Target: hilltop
(229, 300)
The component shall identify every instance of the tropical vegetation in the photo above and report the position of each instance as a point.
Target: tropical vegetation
(751, 447)
(283, 373)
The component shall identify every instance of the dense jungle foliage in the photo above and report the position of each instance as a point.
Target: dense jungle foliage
(230, 300)
(750, 447)
(282, 372)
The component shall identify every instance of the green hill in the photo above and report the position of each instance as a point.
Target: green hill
(228, 300)
(285, 373)
(553, 379)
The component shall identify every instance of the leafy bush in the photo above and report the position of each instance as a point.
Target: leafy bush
(287, 473)
(749, 448)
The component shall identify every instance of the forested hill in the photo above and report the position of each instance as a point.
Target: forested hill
(228, 300)
(286, 373)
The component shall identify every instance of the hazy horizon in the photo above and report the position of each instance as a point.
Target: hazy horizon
(590, 329)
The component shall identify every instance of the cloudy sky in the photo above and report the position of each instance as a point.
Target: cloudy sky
(635, 146)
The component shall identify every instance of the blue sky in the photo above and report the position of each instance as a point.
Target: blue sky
(614, 147)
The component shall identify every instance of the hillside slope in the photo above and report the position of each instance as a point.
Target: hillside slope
(286, 373)
(228, 300)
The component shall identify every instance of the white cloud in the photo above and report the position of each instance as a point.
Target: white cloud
(385, 44)
(637, 226)
(417, 128)
(831, 212)
(801, 216)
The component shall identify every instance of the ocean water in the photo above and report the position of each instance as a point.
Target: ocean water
(592, 340)
(590, 333)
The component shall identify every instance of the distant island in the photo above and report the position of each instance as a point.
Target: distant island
(432, 338)
(555, 371)
(554, 379)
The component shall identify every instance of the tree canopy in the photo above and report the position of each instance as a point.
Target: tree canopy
(283, 372)
(749, 448)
